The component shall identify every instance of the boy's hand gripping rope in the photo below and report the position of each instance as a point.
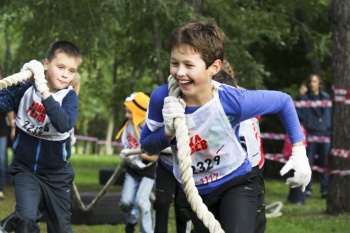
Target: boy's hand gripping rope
(185, 163)
(15, 79)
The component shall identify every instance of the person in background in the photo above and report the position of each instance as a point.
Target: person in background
(249, 133)
(317, 122)
(7, 127)
(140, 168)
(221, 168)
(46, 110)
(76, 83)
(302, 90)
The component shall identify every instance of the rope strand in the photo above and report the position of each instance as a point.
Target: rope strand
(15, 79)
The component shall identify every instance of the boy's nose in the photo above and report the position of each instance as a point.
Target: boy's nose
(65, 73)
(181, 71)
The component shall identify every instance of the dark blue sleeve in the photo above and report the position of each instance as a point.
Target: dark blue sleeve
(63, 117)
(11, 96)
(153, 142)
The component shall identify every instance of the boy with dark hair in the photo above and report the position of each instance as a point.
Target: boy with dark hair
(46, 110)
(221, 168)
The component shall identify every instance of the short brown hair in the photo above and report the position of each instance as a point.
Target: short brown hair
(203, 36)
(64, 46)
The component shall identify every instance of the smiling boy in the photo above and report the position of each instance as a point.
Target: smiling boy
(221, 167)
(46, 110)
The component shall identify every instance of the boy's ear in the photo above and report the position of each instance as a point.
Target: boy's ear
(46, 64)
(215, 67)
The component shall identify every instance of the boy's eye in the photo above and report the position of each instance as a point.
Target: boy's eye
(72, 71)
(174, 63)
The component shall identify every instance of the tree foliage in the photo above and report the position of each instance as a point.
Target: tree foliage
(271, 44)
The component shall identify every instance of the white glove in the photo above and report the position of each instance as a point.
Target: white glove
(302, 171)
(173, 107)
(39, 76)
(129, 158)
(123, 153)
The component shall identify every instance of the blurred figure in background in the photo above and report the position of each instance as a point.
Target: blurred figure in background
(140, 168)
(317, 122)
(7, 132)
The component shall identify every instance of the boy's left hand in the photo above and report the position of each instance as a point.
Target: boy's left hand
(39, 76)
(300, 164)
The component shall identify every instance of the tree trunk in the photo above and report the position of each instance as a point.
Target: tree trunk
(109, 135)
(338, 199)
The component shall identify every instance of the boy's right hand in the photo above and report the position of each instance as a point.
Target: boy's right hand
(39, 76)
(173, 107)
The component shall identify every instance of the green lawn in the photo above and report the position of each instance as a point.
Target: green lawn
(309, 218)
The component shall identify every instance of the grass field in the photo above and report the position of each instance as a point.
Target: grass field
(309, 218)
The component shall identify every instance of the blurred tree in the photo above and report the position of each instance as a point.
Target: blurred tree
(124, 44)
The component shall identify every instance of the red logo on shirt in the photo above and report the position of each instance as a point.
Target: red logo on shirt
(133, 141)
(37, 111)
(197, 144)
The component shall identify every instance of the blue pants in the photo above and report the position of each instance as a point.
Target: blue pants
(54, 190)
(322, 150)
(135, 201)
(3, 161)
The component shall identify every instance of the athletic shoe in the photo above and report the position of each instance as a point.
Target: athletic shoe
(324, 194)
(2, 196)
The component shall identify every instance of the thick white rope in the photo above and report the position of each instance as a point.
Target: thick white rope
(273, 210)
(15, 79)
(185, 163)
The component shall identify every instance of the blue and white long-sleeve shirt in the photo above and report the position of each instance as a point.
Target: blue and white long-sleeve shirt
(238, 105)
(42, 142)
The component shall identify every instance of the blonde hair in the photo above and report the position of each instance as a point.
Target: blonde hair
(76, 83)
(226, 66)
(76, 80)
